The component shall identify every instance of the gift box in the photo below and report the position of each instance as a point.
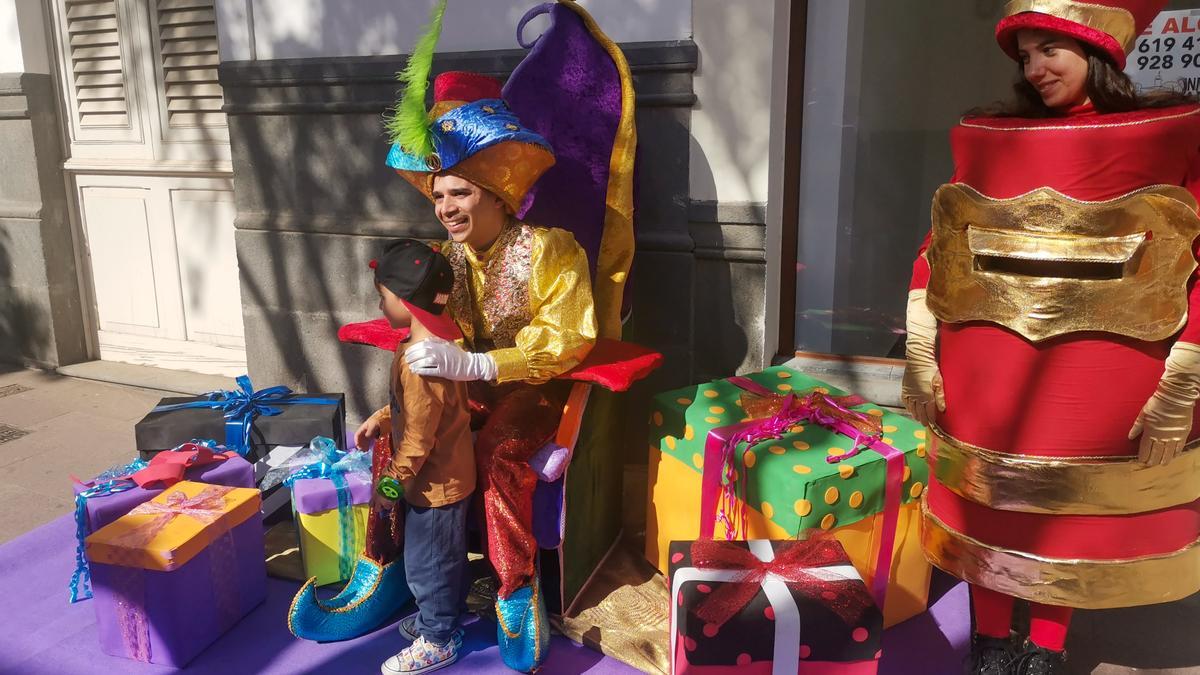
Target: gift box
(330, 538)
(178, 571)
(276, 498)
(250, 422)
(103, 500)
(759, 607)
(787, 485)
(233, 471)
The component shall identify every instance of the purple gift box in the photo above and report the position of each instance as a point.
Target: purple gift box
(314, 495)
(213, 577)
(104, 509)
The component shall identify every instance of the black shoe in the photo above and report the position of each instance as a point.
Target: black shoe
(1035, 660)
(990, 656)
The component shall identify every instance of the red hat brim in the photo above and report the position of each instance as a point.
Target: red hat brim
(441, 325)
(1006, 34)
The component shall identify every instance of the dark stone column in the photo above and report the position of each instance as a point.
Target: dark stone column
(41, 317)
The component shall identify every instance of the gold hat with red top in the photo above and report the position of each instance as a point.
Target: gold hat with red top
(1112, 26)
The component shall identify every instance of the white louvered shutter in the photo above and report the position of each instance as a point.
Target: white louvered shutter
(187, 41)
(94, 50)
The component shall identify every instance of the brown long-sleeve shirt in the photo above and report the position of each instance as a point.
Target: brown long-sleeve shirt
(432, 454)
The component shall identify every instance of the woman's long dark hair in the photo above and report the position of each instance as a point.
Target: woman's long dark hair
(1109, 89)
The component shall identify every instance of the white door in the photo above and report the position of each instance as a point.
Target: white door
(150, 168)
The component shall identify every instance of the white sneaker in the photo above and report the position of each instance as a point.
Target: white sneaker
(421, 656)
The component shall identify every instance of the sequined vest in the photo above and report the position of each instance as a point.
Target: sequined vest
(492, 320)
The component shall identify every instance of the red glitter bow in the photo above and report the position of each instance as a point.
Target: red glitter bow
(794, 563)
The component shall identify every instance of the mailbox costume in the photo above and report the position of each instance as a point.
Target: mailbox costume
(1061, 271)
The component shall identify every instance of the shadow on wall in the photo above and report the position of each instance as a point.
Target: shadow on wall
(733, 83)
(24, 332)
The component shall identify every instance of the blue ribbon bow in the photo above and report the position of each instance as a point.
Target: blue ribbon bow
(242, 405)
(334, 465)
(81, 587)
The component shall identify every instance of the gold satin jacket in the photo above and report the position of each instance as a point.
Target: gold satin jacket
(526, 301)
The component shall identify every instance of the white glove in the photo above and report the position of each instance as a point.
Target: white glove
(438, 358)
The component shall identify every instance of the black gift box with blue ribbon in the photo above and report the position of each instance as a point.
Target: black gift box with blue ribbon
(250, 422)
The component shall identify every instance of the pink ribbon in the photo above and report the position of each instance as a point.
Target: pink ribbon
(207, 507)
(719, 481)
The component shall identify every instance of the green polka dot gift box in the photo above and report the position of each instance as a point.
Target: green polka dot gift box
(786, 484)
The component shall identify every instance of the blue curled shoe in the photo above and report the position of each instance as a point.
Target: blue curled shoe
(524, 628)
(369, 598)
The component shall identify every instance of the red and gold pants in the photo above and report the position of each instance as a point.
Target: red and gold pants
(514, 421)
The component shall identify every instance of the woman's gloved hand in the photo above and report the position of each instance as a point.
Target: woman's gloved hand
(1166, 420)
(921, 388)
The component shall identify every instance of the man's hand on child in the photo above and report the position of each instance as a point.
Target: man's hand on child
(439, 358)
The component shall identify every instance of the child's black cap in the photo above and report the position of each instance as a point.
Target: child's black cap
(422, 278)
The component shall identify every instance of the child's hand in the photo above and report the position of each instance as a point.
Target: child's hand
(380, 501)
(367, 431)
(381, 504)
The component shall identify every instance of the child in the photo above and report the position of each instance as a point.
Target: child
(433, 463)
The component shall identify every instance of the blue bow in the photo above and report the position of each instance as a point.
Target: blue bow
(334, 464)
(242, 405)
(80, 585)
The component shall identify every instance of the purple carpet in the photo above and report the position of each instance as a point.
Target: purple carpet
(933, 643)
(43, 634)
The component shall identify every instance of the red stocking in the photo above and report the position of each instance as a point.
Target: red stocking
(1048, 625)
(993, 612)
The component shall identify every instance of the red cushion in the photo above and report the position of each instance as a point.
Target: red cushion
(376, 333)
(615, 365)
(612, 364)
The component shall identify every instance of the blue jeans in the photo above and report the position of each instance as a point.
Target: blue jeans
(435, 562)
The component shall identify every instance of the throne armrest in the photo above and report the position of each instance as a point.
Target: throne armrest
(612, 364)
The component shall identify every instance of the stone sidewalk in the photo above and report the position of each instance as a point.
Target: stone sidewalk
(63, 426)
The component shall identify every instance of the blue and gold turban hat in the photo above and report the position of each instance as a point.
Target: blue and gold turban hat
(470, 131)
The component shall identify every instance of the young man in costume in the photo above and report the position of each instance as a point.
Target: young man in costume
(1054, 338)
(522, 297)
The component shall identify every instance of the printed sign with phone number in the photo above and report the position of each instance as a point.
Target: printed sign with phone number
(1168, 53)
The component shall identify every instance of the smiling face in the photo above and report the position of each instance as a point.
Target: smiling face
(470, 214)
(1056, 66)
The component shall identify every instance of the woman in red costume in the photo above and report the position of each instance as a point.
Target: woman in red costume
(1054, 338)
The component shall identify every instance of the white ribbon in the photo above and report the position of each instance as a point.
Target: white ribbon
(786, 660)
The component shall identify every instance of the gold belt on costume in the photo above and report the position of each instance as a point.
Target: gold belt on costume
(1088, 584)
(1062, 485)
(1043, 264)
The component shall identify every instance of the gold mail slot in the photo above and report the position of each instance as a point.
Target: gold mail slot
(987, 241)
(1044, 264)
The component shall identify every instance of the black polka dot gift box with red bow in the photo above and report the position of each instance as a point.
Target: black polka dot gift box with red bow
(764, 607)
